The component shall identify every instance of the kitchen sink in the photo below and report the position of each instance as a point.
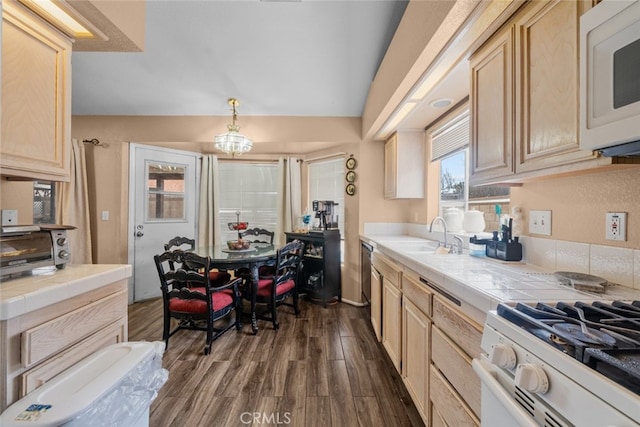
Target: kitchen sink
(427, 247)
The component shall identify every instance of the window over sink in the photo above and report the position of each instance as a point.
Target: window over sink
(450, 149)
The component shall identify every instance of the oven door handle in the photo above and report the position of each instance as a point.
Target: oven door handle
(487, 378)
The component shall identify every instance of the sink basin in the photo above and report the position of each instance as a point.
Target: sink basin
(426, 246)
(431, 251)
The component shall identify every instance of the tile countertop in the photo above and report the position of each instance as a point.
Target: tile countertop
(484, 282)
(48, 286)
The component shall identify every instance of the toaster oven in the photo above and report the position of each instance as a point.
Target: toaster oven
(25, 247)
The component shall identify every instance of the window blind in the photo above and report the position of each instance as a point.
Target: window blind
(252, 189)
(451, 137)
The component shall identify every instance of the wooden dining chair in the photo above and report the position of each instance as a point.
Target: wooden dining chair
(258, 235)
(187, 244)
(275, 290)
(190, 297)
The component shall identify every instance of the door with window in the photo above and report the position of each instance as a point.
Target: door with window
(163, 204)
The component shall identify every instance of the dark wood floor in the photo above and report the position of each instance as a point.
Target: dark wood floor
(324, 368)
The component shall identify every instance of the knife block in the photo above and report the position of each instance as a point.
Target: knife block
(506, 251)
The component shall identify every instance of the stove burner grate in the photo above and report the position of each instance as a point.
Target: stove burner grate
(604, 336)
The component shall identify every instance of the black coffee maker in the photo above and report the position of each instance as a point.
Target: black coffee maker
(324, 210)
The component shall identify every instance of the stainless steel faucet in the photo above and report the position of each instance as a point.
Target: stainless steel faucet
(444, 226)
(456, 248)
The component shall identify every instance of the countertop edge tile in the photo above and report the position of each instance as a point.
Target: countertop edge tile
(51, 286)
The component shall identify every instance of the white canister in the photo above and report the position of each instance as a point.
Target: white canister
(453, 217)
(473, 221)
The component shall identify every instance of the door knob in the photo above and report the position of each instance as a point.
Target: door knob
(139, 234)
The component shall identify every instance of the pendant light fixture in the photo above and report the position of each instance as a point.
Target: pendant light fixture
(233, 142)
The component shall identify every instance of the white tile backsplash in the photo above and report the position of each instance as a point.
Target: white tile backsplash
(540, 252)
(614, 264)
(572, 256)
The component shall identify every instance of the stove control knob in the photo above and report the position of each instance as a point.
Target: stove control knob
(61, 241)
(503, 356)
(64, 254)
(532, 378)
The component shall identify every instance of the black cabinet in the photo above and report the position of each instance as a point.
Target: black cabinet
(321, 273)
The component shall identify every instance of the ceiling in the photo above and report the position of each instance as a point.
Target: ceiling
(279, 58)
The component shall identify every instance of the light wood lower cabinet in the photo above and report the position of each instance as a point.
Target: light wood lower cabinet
(416, 338)
(455, 365)
(432, 342)
(392, 322)
(455, 341)
(448, 404)
(40, 344)
(391, 283)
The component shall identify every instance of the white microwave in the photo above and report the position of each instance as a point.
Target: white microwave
(610, 78)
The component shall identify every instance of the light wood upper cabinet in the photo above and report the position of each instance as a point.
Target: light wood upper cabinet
(546, 63)
(525, 97)
(404, 165)
(36, 97)
(492, 108)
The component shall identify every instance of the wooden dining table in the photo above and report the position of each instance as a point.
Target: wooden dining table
(257, 255)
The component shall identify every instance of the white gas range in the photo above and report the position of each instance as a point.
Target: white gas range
(559, 365)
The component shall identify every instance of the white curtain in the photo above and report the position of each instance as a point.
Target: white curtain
(209, 226)
(289, 197)
(72, 206)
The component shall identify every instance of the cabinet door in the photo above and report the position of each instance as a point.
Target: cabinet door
(392, 322)
(391, 167)
(416, 337)
(36, 97)
(492, 109)
(376, 303)
(547, 85)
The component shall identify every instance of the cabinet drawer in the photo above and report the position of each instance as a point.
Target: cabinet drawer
(466, 333)
(34, 378)
(51, 337)
(456, 367)
(387, 268)
(447, 403)
(418, 293)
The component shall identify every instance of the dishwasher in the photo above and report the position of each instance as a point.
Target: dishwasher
(365, 272)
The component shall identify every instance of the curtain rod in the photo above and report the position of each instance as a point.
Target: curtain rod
(94, 141)
(328, 156)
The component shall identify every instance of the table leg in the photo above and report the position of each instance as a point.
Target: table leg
(254, 291)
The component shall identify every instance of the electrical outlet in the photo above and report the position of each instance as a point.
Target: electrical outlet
(616, 226)
(9, 216)
(540, 222)
(105, 215)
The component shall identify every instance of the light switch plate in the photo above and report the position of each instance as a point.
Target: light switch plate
(540, 222)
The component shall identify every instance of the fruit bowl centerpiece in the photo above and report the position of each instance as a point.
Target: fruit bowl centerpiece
(238, 226)
(238, 245)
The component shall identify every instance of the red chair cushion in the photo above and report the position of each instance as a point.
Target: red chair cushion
(264, 287)
(219, 301)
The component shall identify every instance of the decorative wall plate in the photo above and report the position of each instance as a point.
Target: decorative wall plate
(350, 176)
(350, 189)
(351, 163)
